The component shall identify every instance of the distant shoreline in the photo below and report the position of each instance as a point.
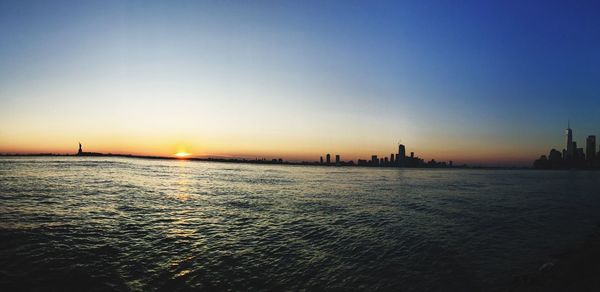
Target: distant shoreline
(250, 161)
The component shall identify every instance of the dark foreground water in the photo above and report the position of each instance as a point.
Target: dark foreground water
(77, 223)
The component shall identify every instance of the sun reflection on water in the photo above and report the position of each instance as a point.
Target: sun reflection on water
(183, 190)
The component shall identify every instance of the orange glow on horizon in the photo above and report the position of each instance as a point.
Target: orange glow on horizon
(182, 154)
(290, 149)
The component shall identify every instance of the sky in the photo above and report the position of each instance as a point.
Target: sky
(479, 82)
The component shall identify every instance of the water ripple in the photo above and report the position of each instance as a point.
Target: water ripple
(73, 223)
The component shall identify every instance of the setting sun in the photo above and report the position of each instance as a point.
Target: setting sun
(182, 154)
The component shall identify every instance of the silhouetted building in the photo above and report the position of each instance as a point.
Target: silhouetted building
(328, 157)
(321, 160)
(569, 141)
(555, 159)
(571, 157)
(574, 155)
(80, 150)
(337, 159)
(541, 163)
(401, 152)
(580, 154)
(590, 151)
(555, 155)
(396, 160)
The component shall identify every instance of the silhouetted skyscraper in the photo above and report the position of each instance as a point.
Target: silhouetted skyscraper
(392, 158)
(337, 159)
(401, 152)
(590, 151)
(569, 140)
(374, 160)
(571, 157)
(580, 154)
(328, 157)
(321, 160)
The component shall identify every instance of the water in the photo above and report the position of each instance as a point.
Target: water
(73, 223)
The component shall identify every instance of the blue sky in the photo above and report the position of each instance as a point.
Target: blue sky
(473, 81)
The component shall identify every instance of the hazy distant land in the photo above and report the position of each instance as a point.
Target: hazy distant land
(242, 160)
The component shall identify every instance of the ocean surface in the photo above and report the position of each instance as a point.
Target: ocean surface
(77, 223)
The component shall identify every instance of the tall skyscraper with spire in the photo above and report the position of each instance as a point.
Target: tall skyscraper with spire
(569, 137)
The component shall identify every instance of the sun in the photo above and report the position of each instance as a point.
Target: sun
(182, 154)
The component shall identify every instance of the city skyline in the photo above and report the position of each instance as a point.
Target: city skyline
(570, 150)
(296, 80)
(401, 159)
(571, 156)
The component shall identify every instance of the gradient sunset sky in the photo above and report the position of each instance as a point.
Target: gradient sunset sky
(490, 82)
